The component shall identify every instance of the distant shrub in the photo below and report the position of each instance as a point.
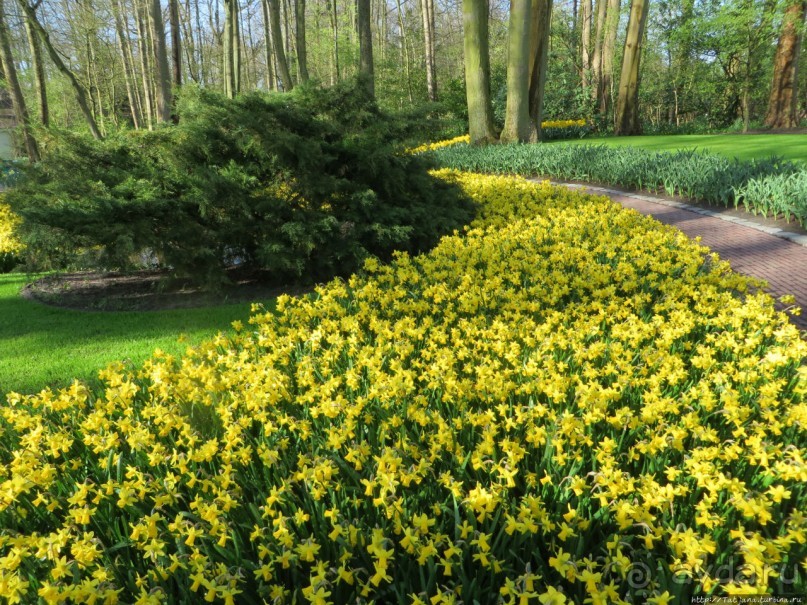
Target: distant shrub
(762, 185)
(304, 185)
(10, 246)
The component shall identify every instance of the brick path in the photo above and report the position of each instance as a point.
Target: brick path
(754, 251)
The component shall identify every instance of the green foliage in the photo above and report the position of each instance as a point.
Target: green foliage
(8, 261)
(304, 185)
(771, 186)
(776, 195)
(9, 172)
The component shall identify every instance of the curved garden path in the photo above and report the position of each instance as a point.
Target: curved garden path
(768, 253)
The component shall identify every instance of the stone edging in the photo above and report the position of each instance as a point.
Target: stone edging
(795, 238)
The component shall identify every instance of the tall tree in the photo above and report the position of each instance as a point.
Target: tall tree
(539, 58)
(596, 55)
(517, 125)
(299, 32)
(124, 46)
(365, 43)
(176, 41)
(81, 93)
(477, 71)
(783, 101)
(230, 46)
(627, 119)
(17, 99)
(277, 43)
(427, 11)
(585, 43)
(163, 77)
(39, 69)
(608, 49)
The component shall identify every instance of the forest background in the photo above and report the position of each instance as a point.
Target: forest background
(706, 65)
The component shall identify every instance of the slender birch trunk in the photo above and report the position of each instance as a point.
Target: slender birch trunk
(17, 99)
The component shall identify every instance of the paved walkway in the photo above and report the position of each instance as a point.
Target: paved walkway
(778, 257)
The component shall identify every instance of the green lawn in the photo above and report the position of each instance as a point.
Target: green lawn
(44, 346)
(741, 146)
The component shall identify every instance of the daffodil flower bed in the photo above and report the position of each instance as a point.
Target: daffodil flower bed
(567, 403)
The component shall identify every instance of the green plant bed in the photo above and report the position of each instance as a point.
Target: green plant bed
(740, 146)
(43, 346)
(769, 186)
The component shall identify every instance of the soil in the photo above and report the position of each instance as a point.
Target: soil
(147, 291)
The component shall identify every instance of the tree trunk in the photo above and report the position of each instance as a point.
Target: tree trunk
(17, 100)
(163, 75)
(299, 32)
(335, 76)
(596, 59)
(427, 10)
(405, 52)
(39, 73)
(277, 43)
(517, 125)
(176, 47)
(365, 44)
(539, 59)
(271, 82)
(237, 46)
(142, 40)
(627, 120)
(81, 95)
(128, 69)
(585, 46)
(783, 101)
(608, 48)
(229, 48)
(477, 71)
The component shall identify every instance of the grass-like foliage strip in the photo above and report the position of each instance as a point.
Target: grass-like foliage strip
(569, 402)
(770, 187)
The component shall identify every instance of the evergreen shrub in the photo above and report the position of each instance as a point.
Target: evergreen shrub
(302, 186)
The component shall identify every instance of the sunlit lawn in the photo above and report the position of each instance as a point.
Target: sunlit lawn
(45, 346)
(741, 146)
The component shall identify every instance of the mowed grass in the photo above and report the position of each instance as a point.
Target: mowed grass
(740, 146)
(43, 346)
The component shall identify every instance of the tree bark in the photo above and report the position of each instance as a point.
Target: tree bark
(517, 126)
(17, 100)
(271, 82)
(477, 71)
(163, 77)
(128, 68)
(427, 11)
(783, 100)
(176, 42)
(81, 95)
(585, 46)
(335, 76)
(627, 120)
(39, 73)
(277, 43)
(596, 58)
(229, 48)
(365, 44)
(608, 48)
(405, 51)
(539, 59)
(299, 32)
(145, 65)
